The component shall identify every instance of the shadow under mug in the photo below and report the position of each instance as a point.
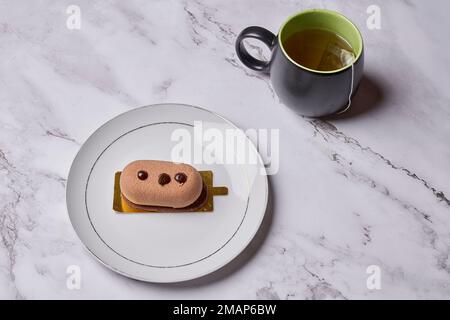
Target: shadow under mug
(308, 92)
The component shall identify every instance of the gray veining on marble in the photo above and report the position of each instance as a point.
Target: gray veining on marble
(368, 188)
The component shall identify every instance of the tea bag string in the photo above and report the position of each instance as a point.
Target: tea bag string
(351, 91)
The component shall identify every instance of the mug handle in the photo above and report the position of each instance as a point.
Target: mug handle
(261, 34)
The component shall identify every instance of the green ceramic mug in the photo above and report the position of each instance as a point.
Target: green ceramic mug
(309, 92)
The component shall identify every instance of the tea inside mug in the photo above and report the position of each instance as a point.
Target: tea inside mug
(319, 49)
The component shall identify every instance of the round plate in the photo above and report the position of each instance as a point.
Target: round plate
(165, 247)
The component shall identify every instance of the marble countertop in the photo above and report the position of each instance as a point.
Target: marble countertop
(370, 188)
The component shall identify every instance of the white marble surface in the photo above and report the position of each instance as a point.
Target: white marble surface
(369, 188)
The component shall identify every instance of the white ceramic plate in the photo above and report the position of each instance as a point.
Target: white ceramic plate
(162, 247)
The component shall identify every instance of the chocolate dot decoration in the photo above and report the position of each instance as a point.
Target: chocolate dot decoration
(163, 179)
(142, 175)
(180, 177)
